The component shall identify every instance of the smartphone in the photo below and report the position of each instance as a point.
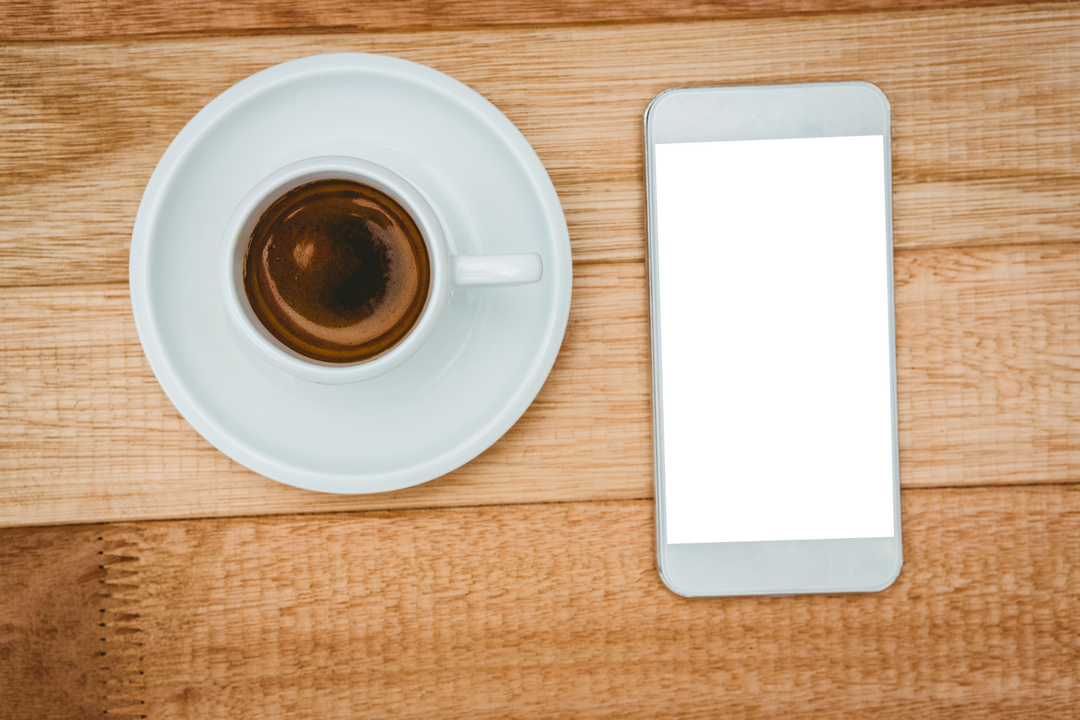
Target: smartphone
(773, 346)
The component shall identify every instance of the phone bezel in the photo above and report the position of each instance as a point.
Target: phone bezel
(763, 112)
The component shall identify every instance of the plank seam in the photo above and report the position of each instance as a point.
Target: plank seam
(121, 655)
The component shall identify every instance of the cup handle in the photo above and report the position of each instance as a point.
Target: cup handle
(520, 269)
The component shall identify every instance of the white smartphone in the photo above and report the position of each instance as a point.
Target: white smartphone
(774, 371)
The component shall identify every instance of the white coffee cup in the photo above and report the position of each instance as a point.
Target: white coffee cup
(446, 269)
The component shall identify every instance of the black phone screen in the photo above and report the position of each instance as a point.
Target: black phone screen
(774, 308)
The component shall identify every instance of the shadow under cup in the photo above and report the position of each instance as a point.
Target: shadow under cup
(338, 271)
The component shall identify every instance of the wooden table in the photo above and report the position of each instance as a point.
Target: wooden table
(144, 574)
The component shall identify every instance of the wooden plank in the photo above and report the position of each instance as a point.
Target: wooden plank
(537, 611)
(987, 356)
(987, 359)
(115, 18)
(86, 433)
(51, 591)
(984, 105)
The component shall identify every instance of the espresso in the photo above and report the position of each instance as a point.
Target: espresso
(337, 271)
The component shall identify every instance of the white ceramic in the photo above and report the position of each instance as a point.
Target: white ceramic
(446, 269)
(484, 361)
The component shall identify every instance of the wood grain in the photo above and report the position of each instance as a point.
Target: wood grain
(542, 611)
(86, 433)
(28, 20)
(50, 624)
(987, 354)
(984, 106)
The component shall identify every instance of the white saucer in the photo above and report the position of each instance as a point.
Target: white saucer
(493, 348)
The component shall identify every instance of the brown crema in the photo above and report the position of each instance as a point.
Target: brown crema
(338, 271)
